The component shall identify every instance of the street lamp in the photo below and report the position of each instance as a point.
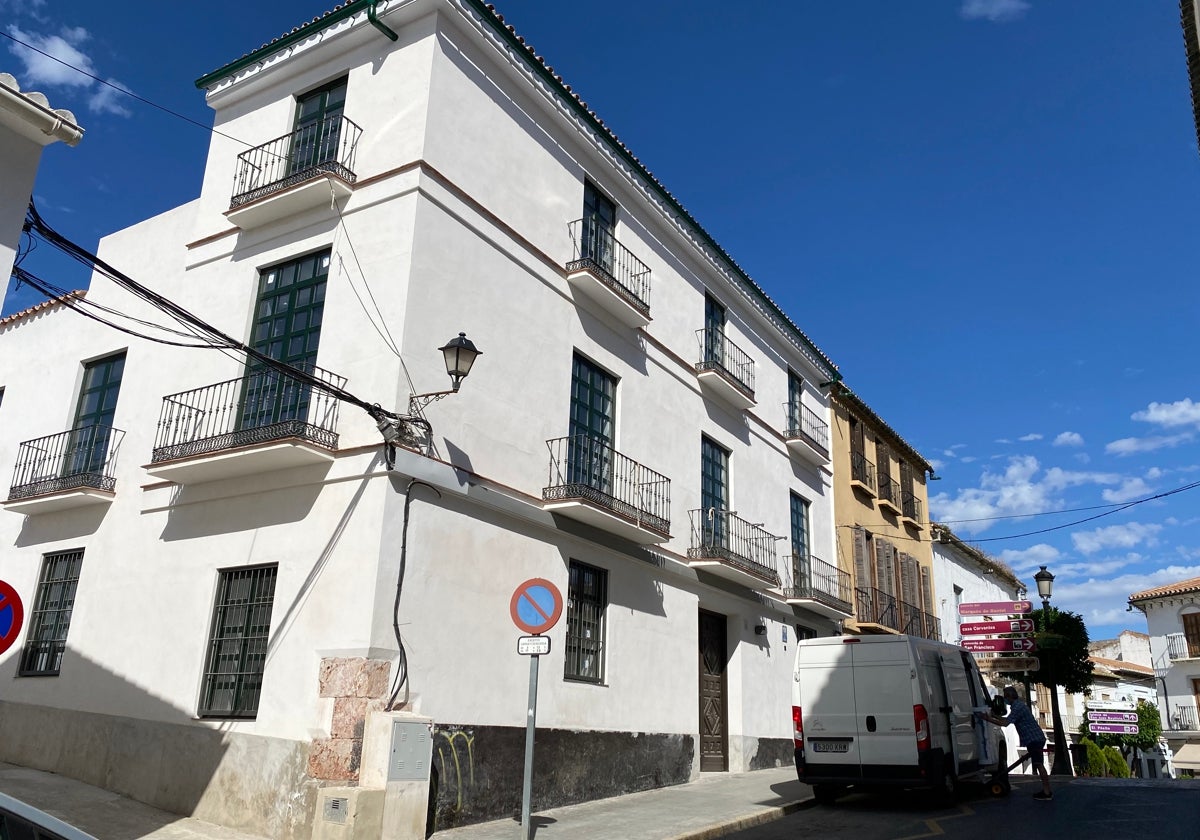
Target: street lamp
(1061, 765)
(459, 354)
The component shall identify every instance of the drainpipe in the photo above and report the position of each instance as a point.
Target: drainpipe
(377, 23)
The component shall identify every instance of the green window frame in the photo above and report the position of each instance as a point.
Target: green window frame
(317, 134)
(94, 415)
(237, 642)
(54, 602)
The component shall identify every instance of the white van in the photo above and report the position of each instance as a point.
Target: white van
(892, 711)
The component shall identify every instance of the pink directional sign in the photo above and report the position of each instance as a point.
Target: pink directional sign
(1118, 728)
(1112, 717)
(983, 628)
(1000, 645)
(995, 608)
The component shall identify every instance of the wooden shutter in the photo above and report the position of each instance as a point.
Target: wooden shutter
(926, 591)
(910, 585)
(1191, 633)
(862, 562)
(885, 567)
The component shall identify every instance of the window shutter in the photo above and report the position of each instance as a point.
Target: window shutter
(926, 592)
(909, 584)
(885, 568)
(862, 563)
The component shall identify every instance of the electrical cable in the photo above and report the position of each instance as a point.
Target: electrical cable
(383, 332)
(402, 657)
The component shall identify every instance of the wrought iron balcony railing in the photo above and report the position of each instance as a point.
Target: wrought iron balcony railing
(326, 146)
(933, 627)
(889, 490)
(264, 405)
(820, 581)
(911, 506)
(871, 606)
(803, 422)
(595, 247)
(582, 467)
(81, 457)
(722, 535)
(720, 354)
(1182, 718)
(1179, 646)
(912, 620)
(862, 470)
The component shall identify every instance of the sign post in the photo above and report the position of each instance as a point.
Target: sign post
(12, 614)
(535, 607)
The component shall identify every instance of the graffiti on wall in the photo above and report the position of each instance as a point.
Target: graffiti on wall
(455, 751)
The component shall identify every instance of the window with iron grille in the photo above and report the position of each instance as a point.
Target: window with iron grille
(47, 639)
(587, 602)
(237, 646)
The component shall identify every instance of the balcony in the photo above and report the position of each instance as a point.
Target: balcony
(65, 470)
(606, 273)
(873, 607)
(819, 587)
(910, 509)
(933, 627)
(294, 172)
(266, 420)
(725, 370)
(1182, 719)
(732, 548)
(1179, 646)
(889, 494)
(593, 483)
(862, 473)
(807, 435)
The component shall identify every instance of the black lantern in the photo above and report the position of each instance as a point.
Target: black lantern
(1045, 584)
(460, 354)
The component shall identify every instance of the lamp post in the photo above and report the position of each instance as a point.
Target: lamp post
(460, 353)
(1062, 764)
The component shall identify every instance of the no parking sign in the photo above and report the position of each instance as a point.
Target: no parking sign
(12, 614)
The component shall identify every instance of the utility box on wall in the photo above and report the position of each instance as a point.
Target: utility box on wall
(411, 752)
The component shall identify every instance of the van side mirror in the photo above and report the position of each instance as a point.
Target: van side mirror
(999, 707)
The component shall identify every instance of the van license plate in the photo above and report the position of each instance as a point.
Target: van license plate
(830, 746)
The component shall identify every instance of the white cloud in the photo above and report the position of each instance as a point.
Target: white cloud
(1069, 439)
(1013, 492)
(1155, 472)
(1030, 437)
(1116, 536)
(1029, 559)
(1059, 479)
(1132, 446)
(107, 100)
(1003, 440)
(1088, 568)
(936, 464)
(1133, 488)
(997, 11)
(1099, 600)
(1181, 413)
(43, 70)
(1082, 457)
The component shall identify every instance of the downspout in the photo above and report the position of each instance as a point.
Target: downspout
(377, 23)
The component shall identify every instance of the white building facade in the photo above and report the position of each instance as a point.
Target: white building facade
(963, 574)
(234, 591)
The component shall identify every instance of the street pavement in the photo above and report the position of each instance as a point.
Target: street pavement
(712, 806)
(106, 815)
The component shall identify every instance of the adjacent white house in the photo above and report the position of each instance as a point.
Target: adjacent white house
(242, 605)
(963, 574)
(1173, 621)
(27, 125)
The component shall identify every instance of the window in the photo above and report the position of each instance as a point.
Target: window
(237, 646)
(714, 492)
(87, 451)
(287, 327)
(587, 601)
(714, 331)
(590, 445)
(1191, 632)
(795, 399)
(318, 126)
(599, 220)
(47, 639)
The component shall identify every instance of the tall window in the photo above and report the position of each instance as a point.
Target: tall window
(47, 637)
(587, 602)
(801, 567)
(237, 645)
(1191, 633)
(94, 415)
(599, 220)
(714, 331)
(714, 492)
(795, 394)
(318, 126)
(591, 428)
(287, 327)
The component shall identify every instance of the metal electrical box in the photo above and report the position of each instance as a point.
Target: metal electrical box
(412, 750)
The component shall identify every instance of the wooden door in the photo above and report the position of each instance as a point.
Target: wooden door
(714, 726)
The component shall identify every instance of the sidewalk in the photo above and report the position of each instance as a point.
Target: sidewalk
(107, 815)
(710, 807)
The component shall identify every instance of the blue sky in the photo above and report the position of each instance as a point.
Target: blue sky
(984, 211)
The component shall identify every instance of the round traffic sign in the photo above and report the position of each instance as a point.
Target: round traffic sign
(536, 605)
(12, 614)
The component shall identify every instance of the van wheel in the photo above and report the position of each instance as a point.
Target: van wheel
(826, 794)
(999, 787)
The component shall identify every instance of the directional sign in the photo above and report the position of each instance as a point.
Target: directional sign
(983, 628)
(996, 608)
(1112, 717)
(12, 613)
(536, 605)
(1009, 663)
(1118, 728)
(1000, 645)
(1112, 705)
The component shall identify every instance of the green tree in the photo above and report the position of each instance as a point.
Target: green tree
(1117, 768)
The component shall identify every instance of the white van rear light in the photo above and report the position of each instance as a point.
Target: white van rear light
(798, 727)
(921, 725)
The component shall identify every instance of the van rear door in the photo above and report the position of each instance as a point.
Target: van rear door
(960, 696)
(825, 681)
(883, 685)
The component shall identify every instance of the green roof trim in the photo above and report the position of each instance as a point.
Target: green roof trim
(496, 21)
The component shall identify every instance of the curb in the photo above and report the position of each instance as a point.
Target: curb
(717, 830)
